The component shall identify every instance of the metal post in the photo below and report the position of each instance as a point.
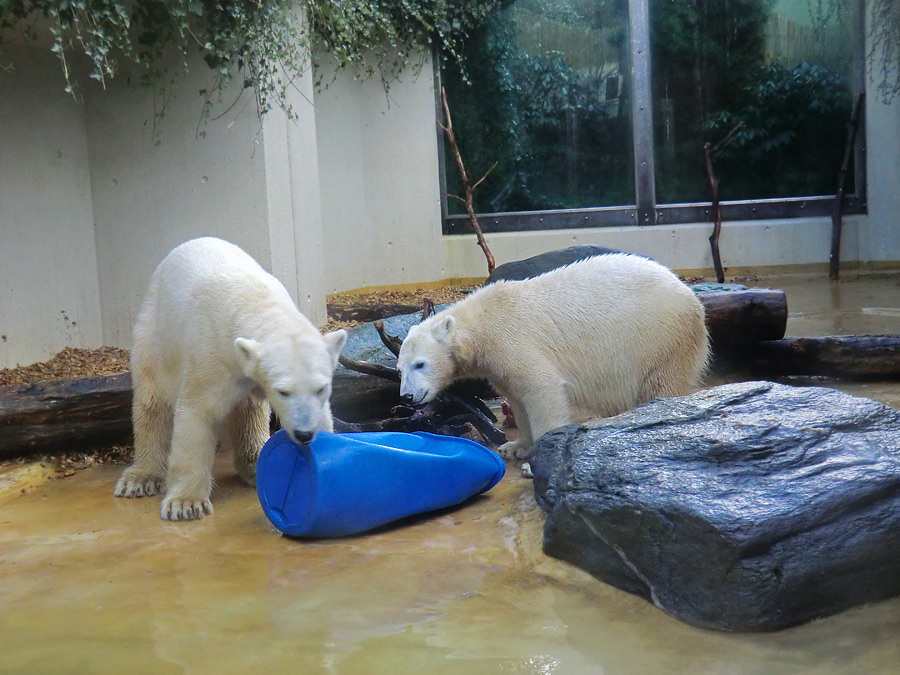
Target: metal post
(642, 112)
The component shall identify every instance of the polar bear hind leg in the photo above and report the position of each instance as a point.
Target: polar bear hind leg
(676, 373)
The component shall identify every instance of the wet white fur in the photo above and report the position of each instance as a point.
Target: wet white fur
(216, 340)
(592, 339)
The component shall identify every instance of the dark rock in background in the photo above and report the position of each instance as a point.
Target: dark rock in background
(747, 507)
(364, 344)
(544, 262)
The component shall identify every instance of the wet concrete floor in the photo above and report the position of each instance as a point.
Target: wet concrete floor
(93, 584)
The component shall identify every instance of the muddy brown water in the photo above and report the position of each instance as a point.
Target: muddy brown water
(93, 584)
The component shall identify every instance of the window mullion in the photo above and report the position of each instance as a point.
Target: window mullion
(642, 111)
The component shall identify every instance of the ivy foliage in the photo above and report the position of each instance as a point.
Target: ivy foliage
(267, 44)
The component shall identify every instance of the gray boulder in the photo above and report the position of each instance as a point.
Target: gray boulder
(544, 262)
(747, 507)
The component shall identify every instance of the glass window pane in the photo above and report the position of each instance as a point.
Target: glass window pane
(782, 68)
(547, 98)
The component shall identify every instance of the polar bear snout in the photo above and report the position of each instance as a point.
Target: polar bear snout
(413, 399)
(415, 389)
(302, 437)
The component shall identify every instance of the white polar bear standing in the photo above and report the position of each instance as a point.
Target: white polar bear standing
(592, 339)
(218, 339)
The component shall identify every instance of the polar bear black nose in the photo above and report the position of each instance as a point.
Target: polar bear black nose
(406, 398)
(302, 437)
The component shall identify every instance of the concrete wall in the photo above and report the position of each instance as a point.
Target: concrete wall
(380, 185)
(49, 292)
(155, 187)
(880, 238)
(744, 246)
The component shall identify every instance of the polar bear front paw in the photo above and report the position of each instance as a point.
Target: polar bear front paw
(133, 485)
(514, 450)
(182, 508)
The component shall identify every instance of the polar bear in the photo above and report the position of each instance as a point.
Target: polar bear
(217, 340)
(592, 339)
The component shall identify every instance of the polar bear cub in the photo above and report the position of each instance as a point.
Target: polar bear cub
(592, 339)
(217, 340)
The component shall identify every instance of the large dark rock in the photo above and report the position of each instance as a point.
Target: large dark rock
(544, 262)
(747, 507)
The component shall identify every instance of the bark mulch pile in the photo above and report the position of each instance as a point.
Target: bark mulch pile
(70, 362)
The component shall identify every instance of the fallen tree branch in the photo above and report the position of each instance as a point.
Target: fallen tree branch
(854, 357)
(427, 308)
(367, 368)
(735, 319)
(449, 414)
(392, 342)
(366, 313)
(63, 414)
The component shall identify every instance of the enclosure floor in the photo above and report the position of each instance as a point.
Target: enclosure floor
(94, 584)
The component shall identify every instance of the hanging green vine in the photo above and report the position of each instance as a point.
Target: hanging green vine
(266, 44)
(883, 54)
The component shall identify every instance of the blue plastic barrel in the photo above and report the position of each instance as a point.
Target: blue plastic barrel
(343, 484)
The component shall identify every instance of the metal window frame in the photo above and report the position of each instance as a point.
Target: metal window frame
(645, 210)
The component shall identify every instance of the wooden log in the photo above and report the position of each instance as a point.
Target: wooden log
(854, 357)
(64, 414)
(367, 313)
(735, 319)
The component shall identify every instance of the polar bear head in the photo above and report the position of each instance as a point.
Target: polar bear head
(426, 362)
(295, 372)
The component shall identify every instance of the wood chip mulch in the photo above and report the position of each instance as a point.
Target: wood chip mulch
(70, 362)
(413, 298)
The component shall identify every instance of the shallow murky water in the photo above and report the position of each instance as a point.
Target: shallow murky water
(89, 583)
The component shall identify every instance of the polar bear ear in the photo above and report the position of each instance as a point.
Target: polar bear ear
(444, 328)
(335, 342)
(247, 354)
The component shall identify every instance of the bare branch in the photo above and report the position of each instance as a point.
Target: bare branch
(427, 308)
(486, 174)
(470, 208)
(834, 259)
(709, 151)
(370, 368)
(392, 342)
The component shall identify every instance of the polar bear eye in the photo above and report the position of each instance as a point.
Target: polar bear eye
(320, 391)
(419, 365)
(283, 393)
